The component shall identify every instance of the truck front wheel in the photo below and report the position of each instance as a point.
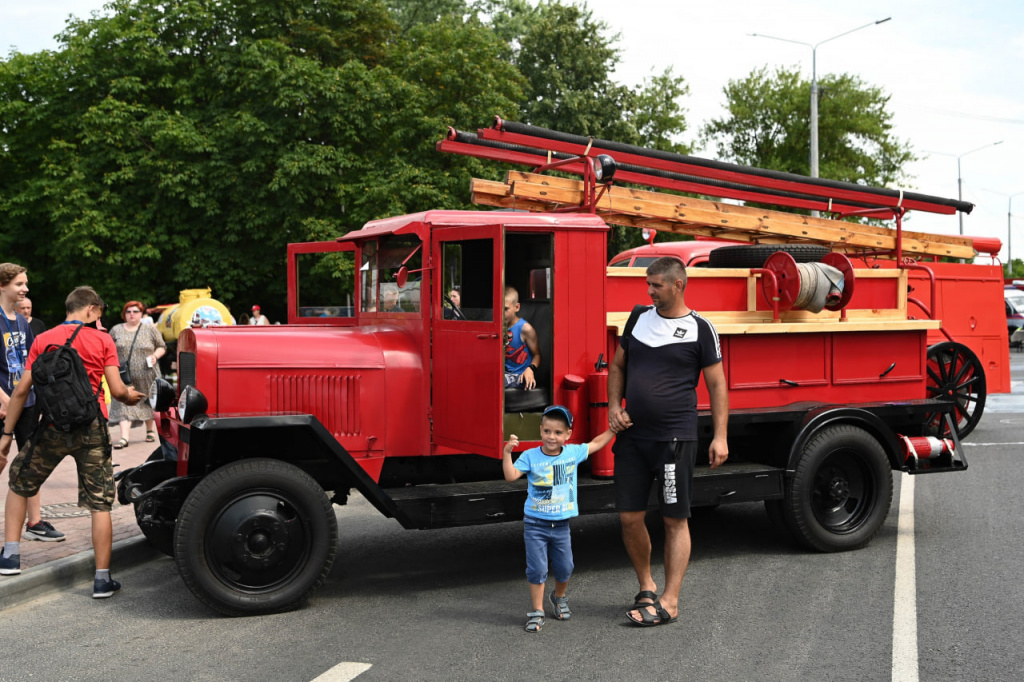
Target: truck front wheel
(255, 536)
(841, 490)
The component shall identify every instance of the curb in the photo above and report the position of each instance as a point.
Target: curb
(71, 571)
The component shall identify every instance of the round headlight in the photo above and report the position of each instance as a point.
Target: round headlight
(604, 167)
(191, 403)
(161, 395)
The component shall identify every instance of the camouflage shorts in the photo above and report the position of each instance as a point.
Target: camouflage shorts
(90, 449)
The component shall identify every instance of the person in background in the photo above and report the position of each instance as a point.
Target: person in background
(257, 318)
(89, 446)
(454, 312)
(17, 338)
(139, 349)
(25, 308)
(389, 301)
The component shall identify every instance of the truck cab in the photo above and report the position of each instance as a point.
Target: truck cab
(444, 394)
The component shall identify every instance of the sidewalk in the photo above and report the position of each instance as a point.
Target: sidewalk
(49, 566)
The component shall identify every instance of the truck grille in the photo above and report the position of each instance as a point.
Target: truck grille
(186, 370)
(334, 400)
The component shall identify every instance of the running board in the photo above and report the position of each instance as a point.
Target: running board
(481, 502)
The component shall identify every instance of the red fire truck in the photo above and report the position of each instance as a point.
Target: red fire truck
(272, 426)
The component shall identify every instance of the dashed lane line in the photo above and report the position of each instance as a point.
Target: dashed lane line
(904, 612)
(343, 672)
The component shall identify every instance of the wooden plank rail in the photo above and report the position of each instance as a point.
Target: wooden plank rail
(686, 215)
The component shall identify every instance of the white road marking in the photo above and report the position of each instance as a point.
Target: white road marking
(343, 672)
(982, 445)
(904, 613)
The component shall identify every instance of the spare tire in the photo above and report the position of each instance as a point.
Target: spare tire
(754, 255)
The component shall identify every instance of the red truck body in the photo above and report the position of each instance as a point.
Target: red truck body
(379, 385)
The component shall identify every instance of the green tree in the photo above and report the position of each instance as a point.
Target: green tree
(768, 126)
(568, 56)
(175, 145)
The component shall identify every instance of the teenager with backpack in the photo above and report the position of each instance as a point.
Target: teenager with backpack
(66, 365)
(17, 334)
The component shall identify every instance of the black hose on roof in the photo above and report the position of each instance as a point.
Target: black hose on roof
(537, 131)
(768, 194)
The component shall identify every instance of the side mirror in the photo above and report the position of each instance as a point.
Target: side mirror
(402, 278)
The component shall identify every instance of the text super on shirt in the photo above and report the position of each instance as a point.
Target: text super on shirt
(664, 358)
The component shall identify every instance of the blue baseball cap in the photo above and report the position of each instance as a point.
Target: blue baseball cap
(562, 410)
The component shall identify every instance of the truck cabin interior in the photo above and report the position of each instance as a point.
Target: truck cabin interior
(528, 267)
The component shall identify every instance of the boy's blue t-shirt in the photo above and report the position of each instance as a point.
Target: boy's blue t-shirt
(551, 482)
(17, 338)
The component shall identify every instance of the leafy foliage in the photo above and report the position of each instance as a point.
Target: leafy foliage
(178, 145)
(768, 126)
(181, 145)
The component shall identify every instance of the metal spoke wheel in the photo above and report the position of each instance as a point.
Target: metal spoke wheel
(255, 536)
(841, 490)
(955, 374)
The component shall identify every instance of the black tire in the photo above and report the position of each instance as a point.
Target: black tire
(754, 255)
(841, 490)
(255, 536)
(956, 374)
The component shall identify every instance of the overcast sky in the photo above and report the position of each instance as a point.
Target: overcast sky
(954, 69)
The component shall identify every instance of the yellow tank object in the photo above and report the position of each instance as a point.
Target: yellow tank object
(192, 303)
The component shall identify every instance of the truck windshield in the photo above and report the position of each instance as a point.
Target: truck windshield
(382, 259)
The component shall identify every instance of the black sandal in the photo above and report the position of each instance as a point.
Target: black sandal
(644, 594)
(121, 444)
(659, 617)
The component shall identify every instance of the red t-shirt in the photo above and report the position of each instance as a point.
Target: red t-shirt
(96, 349)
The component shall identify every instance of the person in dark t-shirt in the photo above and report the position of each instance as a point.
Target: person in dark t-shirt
(662, 352)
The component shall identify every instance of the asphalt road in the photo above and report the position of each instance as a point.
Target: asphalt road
(450, 604)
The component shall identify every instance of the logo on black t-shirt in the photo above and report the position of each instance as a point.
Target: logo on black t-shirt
(679, 333)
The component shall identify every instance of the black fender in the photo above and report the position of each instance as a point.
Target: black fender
(827, 415)
(299, 439)
(131, 483)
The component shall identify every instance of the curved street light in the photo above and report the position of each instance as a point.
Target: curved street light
(959, 177)
(814, 82)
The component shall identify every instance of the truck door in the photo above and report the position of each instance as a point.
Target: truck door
(467, 347)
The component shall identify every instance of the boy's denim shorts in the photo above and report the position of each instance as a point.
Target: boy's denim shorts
(547, 541)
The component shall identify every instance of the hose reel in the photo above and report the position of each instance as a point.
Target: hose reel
(812, 287)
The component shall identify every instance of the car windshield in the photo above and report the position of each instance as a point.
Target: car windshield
(1015, 299)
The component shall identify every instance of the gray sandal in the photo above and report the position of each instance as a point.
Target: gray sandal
(536, 621)
(561, 604)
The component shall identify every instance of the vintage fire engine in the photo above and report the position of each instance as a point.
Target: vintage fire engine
(400, 397)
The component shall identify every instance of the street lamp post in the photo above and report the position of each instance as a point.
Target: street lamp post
(1009, 235)
(959, 178)
(814, 83)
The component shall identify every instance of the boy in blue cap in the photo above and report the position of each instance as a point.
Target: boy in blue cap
(550, 503)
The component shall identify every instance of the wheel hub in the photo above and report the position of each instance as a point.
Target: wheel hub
(259, 540)
(839, 489)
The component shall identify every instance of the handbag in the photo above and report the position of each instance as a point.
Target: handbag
(126, 374)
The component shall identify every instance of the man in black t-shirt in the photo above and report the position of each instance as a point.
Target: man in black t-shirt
(661, 355)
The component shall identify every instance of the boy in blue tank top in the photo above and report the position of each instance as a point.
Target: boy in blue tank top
(550, 503)
(522, 352)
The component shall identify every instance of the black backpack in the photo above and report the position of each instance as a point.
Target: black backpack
(62, 387)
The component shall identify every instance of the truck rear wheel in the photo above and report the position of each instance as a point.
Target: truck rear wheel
(255, 536)
(955, 374)
(841, 491)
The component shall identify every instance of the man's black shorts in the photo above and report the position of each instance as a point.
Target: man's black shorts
(670, 463)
